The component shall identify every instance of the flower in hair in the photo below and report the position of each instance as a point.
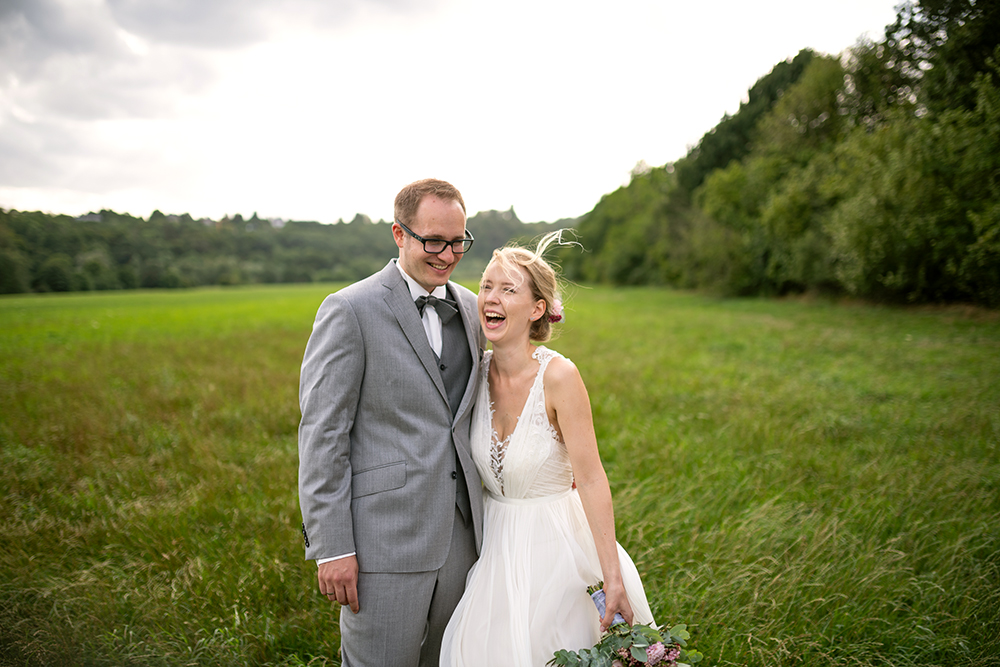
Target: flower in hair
(556, 311)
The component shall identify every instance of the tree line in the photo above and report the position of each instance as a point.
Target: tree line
(875, 174)
(40, 252)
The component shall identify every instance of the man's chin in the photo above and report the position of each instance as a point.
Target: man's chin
(439, 277)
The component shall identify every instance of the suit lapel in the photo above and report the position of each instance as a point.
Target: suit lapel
(400, 302)
(470, 318)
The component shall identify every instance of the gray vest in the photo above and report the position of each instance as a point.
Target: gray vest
(455, 362)
(455, 365)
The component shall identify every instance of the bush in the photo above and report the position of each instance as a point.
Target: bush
(56, 274)
(13, 272)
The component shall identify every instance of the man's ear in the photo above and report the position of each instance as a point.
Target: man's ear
(398, 235)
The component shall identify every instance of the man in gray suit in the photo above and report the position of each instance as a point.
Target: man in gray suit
(391, 500)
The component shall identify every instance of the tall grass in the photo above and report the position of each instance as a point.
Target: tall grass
(804, 483)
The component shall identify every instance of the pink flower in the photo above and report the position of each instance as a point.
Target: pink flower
(556, 311)
(656, 653)
(673, 654)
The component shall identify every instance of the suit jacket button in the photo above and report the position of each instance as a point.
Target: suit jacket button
(454, 475)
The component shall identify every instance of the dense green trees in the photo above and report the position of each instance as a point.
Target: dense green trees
(917, 214)
(732, 138)
(942, 46)
(107, 250)
(876, 174)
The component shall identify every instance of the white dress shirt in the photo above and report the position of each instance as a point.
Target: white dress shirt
(431, 320)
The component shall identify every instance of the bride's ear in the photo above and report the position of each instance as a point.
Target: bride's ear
(538, 311)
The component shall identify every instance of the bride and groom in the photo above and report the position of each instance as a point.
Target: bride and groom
(454, 499)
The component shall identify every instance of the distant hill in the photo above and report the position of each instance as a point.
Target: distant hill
(106, 250)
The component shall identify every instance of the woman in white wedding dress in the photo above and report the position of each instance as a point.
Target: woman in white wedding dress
(545, 541)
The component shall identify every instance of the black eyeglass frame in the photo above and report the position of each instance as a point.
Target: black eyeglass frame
(469, 239)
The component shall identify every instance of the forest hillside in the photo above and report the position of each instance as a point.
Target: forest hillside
(874, 174)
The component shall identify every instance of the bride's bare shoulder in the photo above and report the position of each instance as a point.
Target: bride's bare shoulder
(562, 374)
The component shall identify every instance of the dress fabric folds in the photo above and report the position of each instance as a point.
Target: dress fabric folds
(526, 597)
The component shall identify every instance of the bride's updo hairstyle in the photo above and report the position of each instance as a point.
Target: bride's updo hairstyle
(544, 281)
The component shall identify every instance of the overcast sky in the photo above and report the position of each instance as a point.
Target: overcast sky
(321, 109)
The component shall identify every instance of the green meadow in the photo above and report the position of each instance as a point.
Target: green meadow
(802, 482)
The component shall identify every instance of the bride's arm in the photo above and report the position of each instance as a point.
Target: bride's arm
(566, 395)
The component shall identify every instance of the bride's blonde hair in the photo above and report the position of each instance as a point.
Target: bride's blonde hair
(543, 278)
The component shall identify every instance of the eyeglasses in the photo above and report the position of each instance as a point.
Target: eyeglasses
(437, 246)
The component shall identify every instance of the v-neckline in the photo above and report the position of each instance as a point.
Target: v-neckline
(495, 434)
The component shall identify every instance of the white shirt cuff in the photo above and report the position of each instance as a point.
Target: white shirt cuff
(320, 561)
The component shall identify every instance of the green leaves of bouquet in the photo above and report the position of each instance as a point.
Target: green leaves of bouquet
(624, 646)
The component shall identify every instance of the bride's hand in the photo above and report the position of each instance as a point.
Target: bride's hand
(616, 601)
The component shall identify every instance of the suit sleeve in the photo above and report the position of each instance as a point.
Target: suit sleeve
(329, 387)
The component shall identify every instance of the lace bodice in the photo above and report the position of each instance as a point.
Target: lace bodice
(532, 462)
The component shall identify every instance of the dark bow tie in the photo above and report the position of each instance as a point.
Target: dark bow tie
(446, 308)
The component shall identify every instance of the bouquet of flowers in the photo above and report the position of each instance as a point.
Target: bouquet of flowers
(635, 646)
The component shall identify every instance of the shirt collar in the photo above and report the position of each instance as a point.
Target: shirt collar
(416, 290)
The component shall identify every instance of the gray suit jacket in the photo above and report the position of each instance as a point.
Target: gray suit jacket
(377, 442)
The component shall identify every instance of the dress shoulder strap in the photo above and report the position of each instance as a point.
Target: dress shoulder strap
(543, 356)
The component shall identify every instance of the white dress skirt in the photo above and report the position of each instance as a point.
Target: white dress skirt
(526, 597)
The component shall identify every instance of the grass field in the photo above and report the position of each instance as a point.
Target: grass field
(804, 483)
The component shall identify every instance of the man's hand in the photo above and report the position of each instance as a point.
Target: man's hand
(338, 581)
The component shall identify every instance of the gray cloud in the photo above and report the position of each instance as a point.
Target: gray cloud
(236, 23)
(60, 61)
(218, 24)
(128, 86)
(34, 28)
(32, 34)
(131, 57)
(65, 64)
(64, 156)
(31, 153)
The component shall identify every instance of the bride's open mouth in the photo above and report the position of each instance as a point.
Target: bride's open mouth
(493, 318)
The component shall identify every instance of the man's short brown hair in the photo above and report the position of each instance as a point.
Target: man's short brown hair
(409, 198)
